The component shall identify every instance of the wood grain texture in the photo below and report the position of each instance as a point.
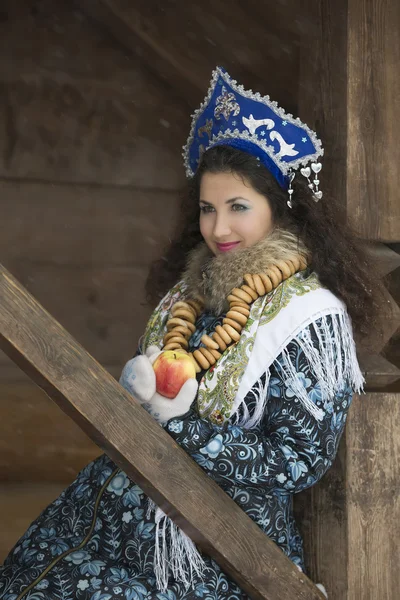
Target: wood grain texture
(373, 118)
(322, 95)
(373, 476)
(83, 226)
(322, 517)
(385, 258)
(349, 91)
(378, 371)
(103, 307)
(183, 42)
(84, 252)
(355, 508)
(75, 107)
(85, 391)
(390, 324)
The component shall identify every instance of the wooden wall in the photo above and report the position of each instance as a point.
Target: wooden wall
(350, 520)
(95, 100)
(90, 167)
(95, 107)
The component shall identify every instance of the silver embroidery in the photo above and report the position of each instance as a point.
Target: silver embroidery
(287, 117)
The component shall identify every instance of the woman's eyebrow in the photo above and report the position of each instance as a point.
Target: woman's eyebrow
(230, 201)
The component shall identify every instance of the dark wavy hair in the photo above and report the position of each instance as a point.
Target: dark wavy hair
(336, 255)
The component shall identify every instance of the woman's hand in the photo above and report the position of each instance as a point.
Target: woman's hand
(138, 376)
(139, 379)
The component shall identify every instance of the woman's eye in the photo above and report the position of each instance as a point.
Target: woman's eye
(206, 209)
(238, 207)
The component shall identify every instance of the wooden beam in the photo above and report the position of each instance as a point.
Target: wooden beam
(181, 42)
(373, 499)
(390, 325)
(373, 108)
(131, 437)
(385, 259)
(124, 21)
(378, 371)
(350, 92)
(358, 501)
(347, 93)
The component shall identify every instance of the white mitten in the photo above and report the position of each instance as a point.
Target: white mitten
(163, 409)
(138, 378)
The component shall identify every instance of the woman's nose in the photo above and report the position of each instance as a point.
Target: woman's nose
(221, 227)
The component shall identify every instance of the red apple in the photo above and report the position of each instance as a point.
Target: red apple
(172, 369)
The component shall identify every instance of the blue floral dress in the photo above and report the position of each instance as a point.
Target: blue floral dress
(96, 541)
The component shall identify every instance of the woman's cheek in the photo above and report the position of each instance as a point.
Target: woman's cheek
(206, 227)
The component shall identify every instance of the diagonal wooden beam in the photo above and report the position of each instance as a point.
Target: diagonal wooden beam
(181, 42)
(385, 259)
(131, 437)
(377, 370)
(125, 23)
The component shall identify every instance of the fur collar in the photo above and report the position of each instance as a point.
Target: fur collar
(212, 277)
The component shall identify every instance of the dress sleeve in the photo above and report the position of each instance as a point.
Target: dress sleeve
(289, 450)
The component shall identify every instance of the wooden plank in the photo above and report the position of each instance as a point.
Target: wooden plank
(389, 327)
(104, 308)
(286, 17)
(176, 36)
(104, 137)
(75, 107)
(358, 501)
(373, 475)
(385, 258)
(349, 91)
(84, 252)
(83, 226)
(45, 351)
(64, 449)
(322, 105)
(373, 118)
(20, 504)
(321, 514)
(378, 371)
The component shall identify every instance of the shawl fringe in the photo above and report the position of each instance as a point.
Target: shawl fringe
(174, 552)
(334, 362)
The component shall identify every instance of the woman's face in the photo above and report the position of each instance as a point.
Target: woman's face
(232, 213)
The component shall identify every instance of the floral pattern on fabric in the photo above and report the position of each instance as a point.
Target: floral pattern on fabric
(96, 541)
(300, 284)
(116, 561)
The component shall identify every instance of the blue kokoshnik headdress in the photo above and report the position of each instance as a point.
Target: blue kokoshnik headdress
(233, 116)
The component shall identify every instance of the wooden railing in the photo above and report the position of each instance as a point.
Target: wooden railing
(133, 439)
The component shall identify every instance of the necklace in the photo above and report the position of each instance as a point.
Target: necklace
(184, 314)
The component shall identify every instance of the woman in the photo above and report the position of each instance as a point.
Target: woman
(265, 275)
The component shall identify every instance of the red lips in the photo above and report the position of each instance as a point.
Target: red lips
(226, 247)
